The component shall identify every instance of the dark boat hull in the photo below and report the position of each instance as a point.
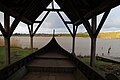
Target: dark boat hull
(51, 47)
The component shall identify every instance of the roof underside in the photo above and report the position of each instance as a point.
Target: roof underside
(74, 9)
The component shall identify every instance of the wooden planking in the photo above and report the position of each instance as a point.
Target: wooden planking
(48, 76)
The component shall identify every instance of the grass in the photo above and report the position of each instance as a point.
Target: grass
(16, 54)
(101, 66)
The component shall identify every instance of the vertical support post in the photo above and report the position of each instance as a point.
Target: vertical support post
(7, 39)
(73, 45)
(31, 37)
(93, 52)
(93, 42)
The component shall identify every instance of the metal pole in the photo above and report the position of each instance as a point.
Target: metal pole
(7, 39)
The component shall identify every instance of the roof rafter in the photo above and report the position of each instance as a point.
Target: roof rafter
(106, 5)
(5, 9)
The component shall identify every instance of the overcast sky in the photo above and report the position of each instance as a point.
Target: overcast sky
(53, 21)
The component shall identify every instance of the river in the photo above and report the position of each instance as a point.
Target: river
(82, 46)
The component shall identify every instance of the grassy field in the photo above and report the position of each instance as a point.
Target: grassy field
(16, 54)
(101, 66)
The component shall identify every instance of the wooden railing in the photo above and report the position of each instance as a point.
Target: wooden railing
(12, 68)
(113, 75)
(9, 70)
(88, 71)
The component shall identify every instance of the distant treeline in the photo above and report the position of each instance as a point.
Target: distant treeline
(84, 35)
(57, 35)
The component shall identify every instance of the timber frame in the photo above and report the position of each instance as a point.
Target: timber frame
(78, 11)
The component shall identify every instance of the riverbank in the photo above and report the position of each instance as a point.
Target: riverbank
(16, 54)
(101, 66)
(82, 46)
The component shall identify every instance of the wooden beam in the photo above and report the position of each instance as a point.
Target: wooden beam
(17, 20)
(105, 6)
(94, 24)
(9, 11)
(41, 22)
(65, 24)
(76, 30)
(13, 26)
(54, 10)
(25, 20)
(87, 26)
(93, 52)
(31, 37)
(102, 22)
(74, 9)
(68, 22)
(93, 42)
(37, 29)
(7, 39)
(85, 2)
(3, 30)
(73, 44)
(62, 3)
(29, 30)
(37, 21)
(5, 9)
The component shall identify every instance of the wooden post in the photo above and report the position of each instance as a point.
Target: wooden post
(7, 39)
(93, 33)
(31, 41)
(31, 37)
(93, 52)
(73, 45)
(93, 42)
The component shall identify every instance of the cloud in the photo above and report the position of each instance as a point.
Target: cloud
(53, 21)
(21, 28)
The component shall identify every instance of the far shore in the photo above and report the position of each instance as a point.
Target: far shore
(106, 35)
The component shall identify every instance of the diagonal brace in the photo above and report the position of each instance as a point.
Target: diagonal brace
(3, 30)
(41, 22)
(13, 26)
(65, 23)
(102, 22)
(29, 30)
(87, 26)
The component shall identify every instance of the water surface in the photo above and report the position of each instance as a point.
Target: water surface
(82, 46)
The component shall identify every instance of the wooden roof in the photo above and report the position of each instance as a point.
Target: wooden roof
(29, 10)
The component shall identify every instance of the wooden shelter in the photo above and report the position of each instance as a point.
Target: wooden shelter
(78, 11)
